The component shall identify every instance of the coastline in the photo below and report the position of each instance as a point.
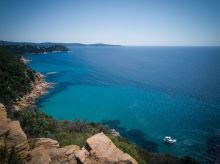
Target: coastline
(37, 124)
(40, 87)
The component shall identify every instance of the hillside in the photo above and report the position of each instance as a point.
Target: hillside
(32, 48)
(15, 77)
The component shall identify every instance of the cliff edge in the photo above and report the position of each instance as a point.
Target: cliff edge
(99, 149)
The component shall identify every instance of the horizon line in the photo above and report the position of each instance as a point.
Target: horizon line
(126, 45)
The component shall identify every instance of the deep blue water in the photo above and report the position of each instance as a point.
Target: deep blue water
(145, 93)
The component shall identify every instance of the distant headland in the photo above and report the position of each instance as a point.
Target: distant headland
(53, 43)
(42, 48)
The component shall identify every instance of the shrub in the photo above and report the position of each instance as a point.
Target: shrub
(15, 77)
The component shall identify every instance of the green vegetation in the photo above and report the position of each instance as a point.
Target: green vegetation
(129, 148)
(15, 77)
(36, 124)
(34, 48)
(9, 158)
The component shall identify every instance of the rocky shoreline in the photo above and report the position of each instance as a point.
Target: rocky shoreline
(40, 87)
(98, 149)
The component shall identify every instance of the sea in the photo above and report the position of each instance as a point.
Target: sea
(144, 93)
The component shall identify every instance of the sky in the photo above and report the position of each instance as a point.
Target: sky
(125, 22)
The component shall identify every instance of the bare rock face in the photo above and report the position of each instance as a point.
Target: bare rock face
(47, 142)
(100, 149)
(3, 122)
(49, 151)
(12, 136)
(64, 155)
(3, 113)
(82, 155)
(40, 155)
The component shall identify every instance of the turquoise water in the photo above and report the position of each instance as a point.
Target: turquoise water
(145, 93)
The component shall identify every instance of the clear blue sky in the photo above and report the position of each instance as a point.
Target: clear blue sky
(127, 22)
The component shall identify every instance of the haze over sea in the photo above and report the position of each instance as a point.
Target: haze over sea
(145, 93)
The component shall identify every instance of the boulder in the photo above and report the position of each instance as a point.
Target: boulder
(100, 149)
(3, 113)
(53, 153)
(71, 149)
(82, 155)
(12, 137)
(64, 155)
(3, 122)
(40, 155)
(47, 142)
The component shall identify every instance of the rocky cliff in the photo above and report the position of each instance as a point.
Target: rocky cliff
(12, 137)
(99, 149)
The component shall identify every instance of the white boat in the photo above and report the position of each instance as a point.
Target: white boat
(50, 73)
(169, 139)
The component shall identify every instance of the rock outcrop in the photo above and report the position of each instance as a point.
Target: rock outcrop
(40, 155)
(99, 149)
(47, 142)
(12, 137)
(48, 150)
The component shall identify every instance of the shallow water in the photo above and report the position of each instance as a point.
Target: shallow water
(145, 93)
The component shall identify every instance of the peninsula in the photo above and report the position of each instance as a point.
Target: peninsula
(21, 48)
